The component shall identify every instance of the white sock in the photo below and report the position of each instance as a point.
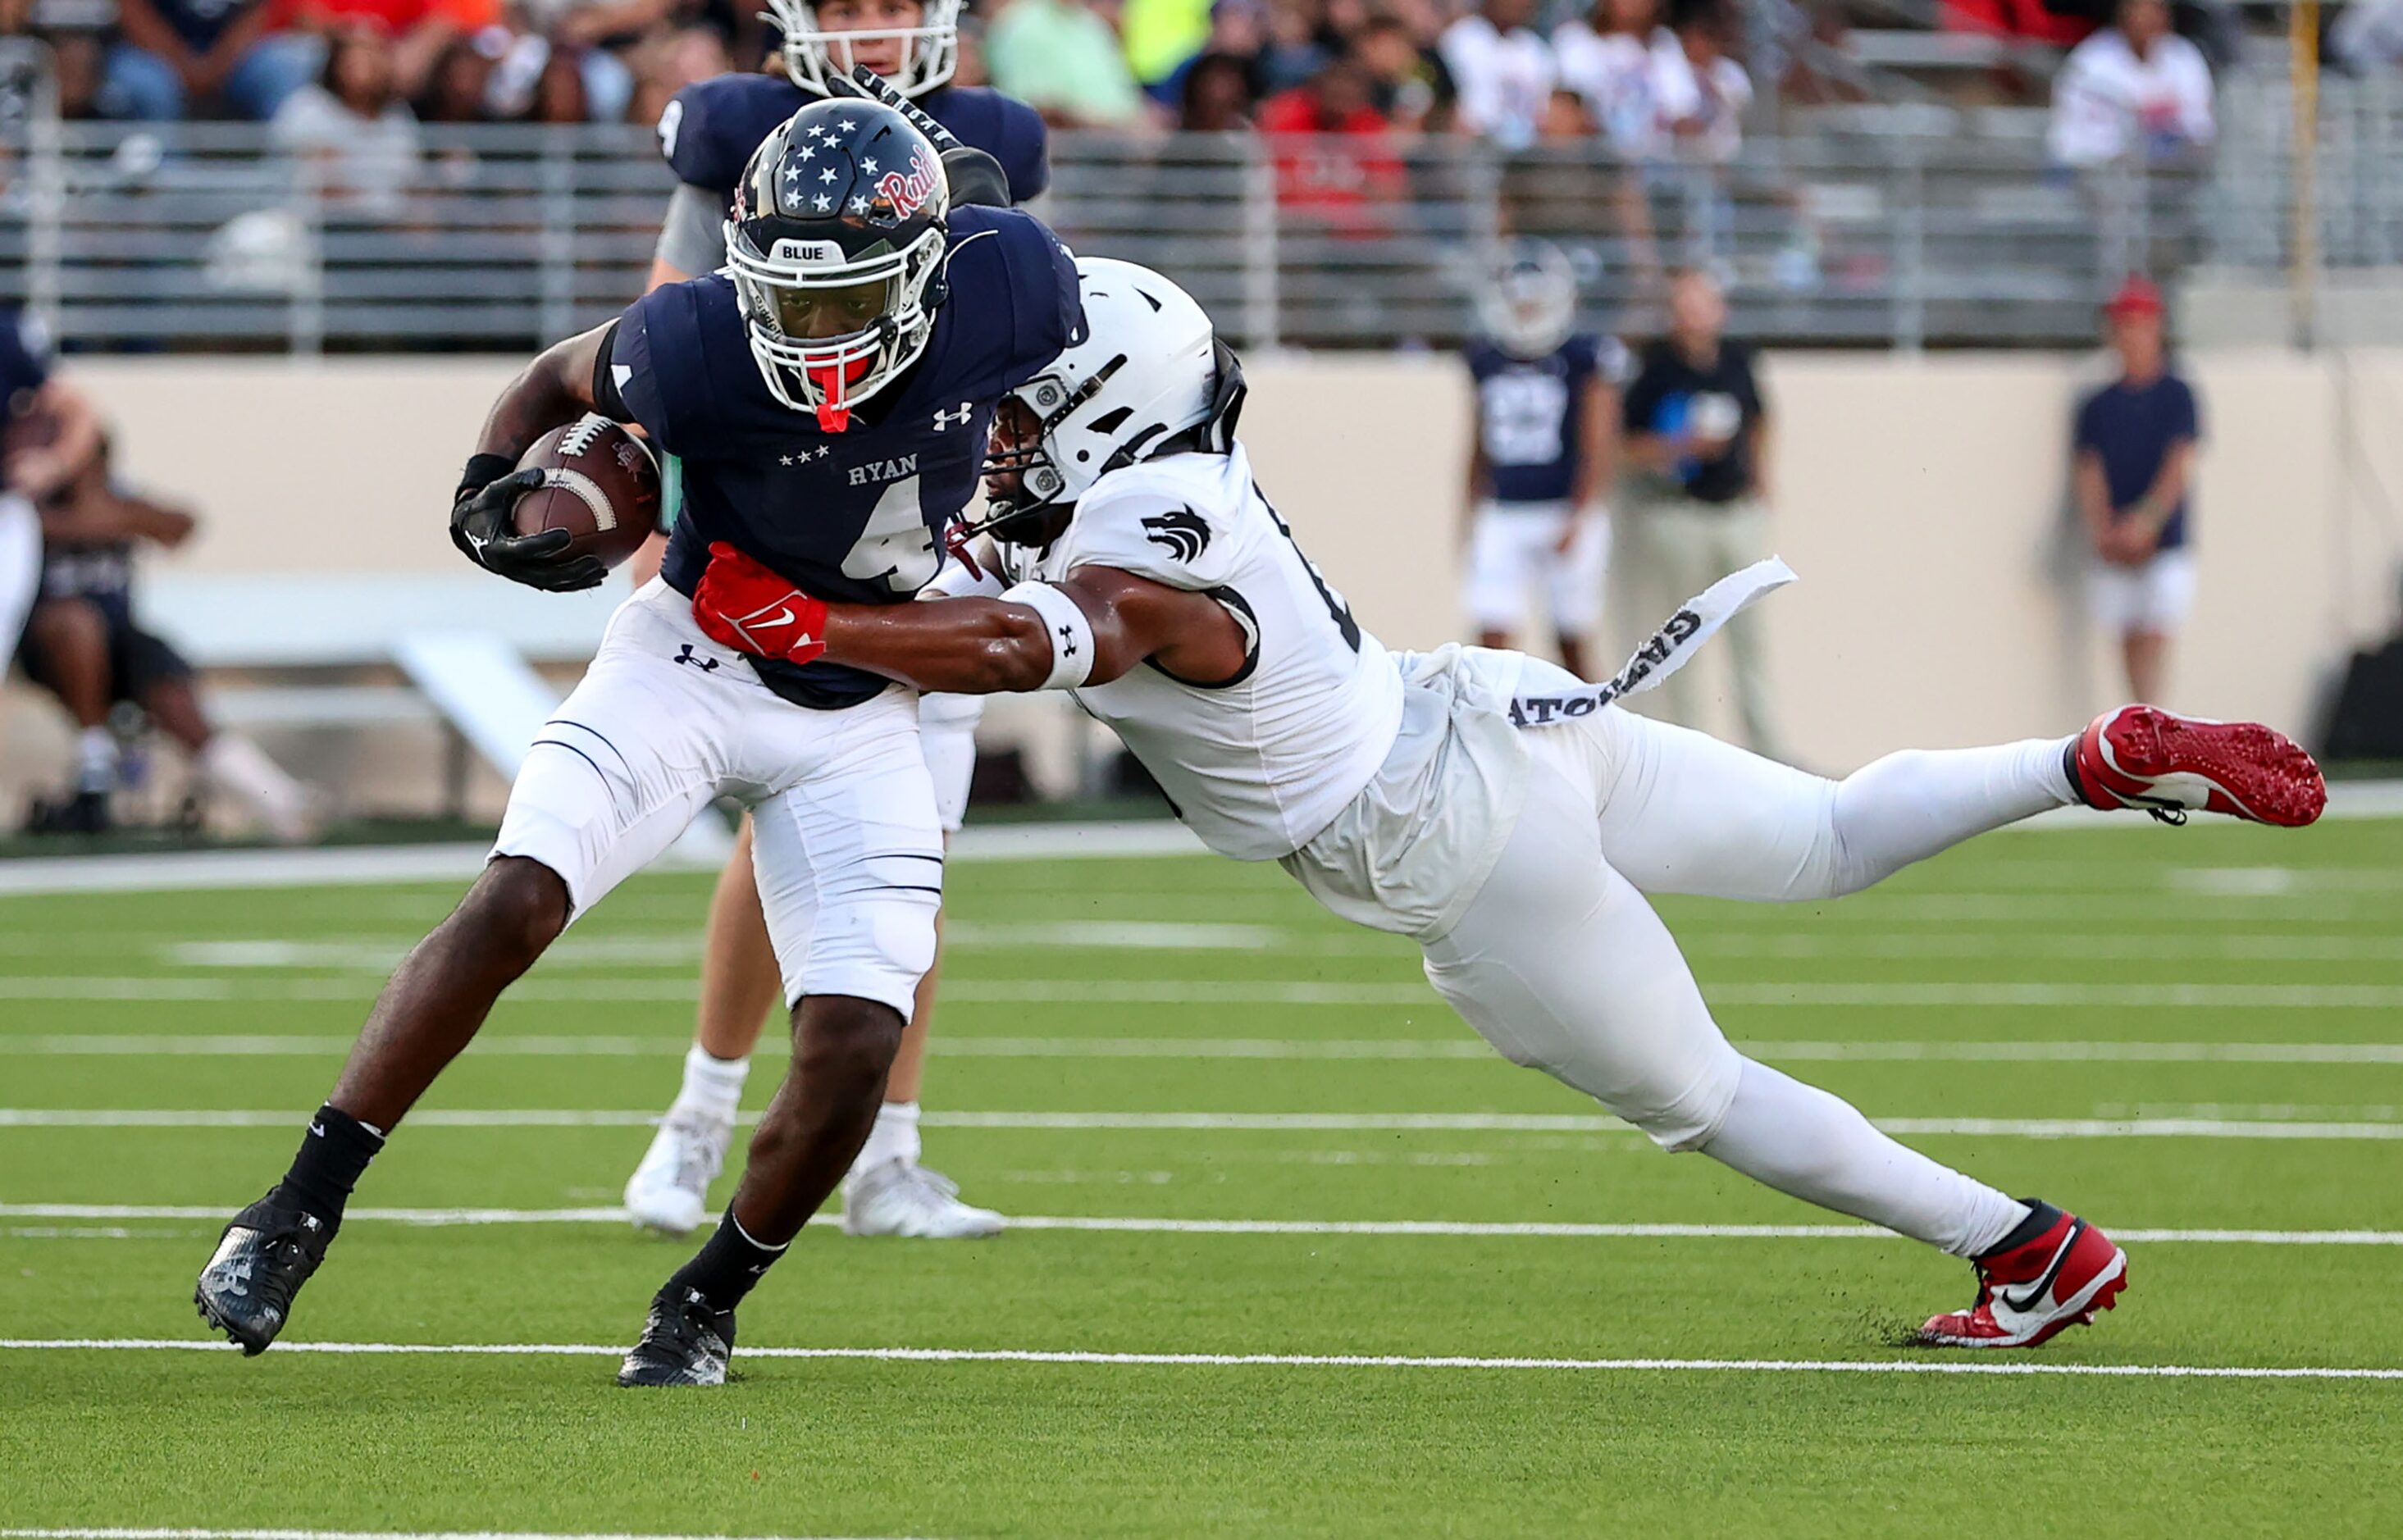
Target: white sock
(712, 1086)
(96, 760)
(1812, 1145)
(895, 1137)
(1907, 807)
(244, 768)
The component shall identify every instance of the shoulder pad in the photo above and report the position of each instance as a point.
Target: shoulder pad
(1161, 519)
(710, 128)
(1013, 301)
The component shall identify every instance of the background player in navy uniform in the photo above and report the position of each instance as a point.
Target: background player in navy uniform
(707, 134)
(710, 128)
(1543, 438)
(829, 398)
(33, 471)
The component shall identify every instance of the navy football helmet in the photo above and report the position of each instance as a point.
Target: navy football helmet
(1529, 303)
(836, 247)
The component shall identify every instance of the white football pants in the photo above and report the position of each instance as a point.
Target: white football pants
(1562, 965)
(846, 843)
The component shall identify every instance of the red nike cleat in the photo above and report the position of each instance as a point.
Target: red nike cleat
(2030, 1288)
(2143, 757)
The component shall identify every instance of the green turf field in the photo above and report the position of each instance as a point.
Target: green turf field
(1187, 1078)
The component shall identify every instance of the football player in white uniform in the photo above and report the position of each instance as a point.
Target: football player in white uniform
(1506, 816)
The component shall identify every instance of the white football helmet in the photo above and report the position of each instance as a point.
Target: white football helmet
(1530, 304)
(1148, 376)
(813, 56)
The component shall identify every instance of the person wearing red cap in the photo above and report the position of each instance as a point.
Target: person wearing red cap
(2135, 448)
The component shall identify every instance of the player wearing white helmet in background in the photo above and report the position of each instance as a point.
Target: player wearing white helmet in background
(1507, 817)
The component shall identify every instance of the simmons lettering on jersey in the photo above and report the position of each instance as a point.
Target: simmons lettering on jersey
(1527, 412)
(852, 515)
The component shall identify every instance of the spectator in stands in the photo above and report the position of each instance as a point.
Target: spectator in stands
(82, 645)
(1503, 70)
(1697, 427)
(1217, 96)
(179, 56)
(454, 92)
(1407, 82)
(1162, 37)
(1062, 58)
(2135, 89)
(1238, 35)
(1699, 93)
(1334, 152)
(1607, 60)
(351, 123)
(667, 63)
(1821, 72)
(2135, 446)
(306, 31)
(79, 72)
(1294, 53)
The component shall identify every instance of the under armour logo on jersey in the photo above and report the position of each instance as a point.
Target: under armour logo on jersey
(1183, 531)
(706, 665)
(954, 418)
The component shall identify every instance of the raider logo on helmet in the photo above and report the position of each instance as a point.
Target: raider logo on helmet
(835, 247)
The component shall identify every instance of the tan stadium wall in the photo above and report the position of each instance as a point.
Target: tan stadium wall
(1920, 499)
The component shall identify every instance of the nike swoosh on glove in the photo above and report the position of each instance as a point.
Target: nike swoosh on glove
(744, 605)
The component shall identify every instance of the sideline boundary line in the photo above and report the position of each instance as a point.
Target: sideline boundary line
(1258, 1360)
(368, 864)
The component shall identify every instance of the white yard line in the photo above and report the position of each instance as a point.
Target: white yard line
(537, 1046)
(351, 864)
(1139, 1225)
(1927, 1365)
(334, 1535)
(1212, 991)
(1258, 1122)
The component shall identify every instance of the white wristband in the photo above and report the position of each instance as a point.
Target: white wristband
(1072, 634)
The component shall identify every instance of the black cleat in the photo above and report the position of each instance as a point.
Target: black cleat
(685, 1342)
(266, 1254)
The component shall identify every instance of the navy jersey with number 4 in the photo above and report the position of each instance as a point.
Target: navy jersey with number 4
(711, 128)
(850, 517)
(1527, 412)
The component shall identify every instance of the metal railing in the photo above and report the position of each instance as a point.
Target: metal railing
(204, 235)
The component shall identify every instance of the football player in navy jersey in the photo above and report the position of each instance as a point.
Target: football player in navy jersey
(1542, 442)
(828, 400)
(707, 134)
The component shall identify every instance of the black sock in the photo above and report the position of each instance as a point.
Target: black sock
(727, 1266)
(335, 1150)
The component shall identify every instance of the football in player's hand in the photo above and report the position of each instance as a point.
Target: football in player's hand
(600, 484)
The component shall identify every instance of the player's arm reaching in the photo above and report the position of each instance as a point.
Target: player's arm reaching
(562, 384)
(1089, 629)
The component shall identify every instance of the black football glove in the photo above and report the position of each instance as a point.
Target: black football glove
(480, 527)
(975, 177)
